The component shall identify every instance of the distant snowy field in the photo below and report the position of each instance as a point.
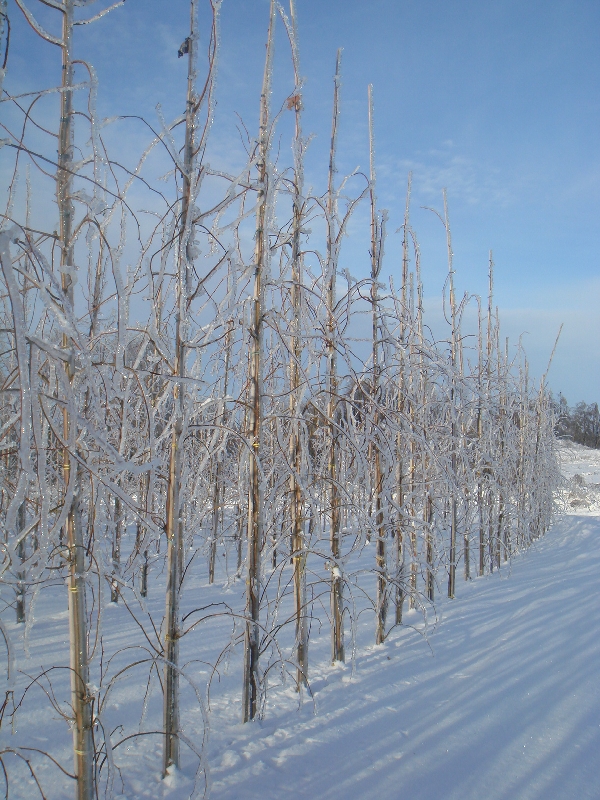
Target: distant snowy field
(496, 695)
(581, 467)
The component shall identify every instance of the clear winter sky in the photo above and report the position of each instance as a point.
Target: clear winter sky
(496, 100)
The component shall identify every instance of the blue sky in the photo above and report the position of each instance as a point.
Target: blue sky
(497, 101)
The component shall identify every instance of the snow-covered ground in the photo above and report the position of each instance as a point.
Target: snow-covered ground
(497, 697)
(501, 700)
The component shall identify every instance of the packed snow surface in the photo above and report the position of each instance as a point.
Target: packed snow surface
(495, 695)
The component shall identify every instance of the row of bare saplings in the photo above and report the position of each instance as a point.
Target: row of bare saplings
(182, 408)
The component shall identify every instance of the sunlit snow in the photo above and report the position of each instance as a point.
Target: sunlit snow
(495, 696)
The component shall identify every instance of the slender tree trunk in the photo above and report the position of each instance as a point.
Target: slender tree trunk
(480, 443)
(21, 554)
(499, 532)
(116, 551)
(216, 521)
(467, 554)
(400, 548)
(428, 521)
(174, 509)
(336, 596)
(412, 487)
(400, 444)
(80, 697)
(453, 410)
(481, 528)
(81, 700)
(144, 576)
(376, 259)
(488, 369)
(239, 535)
(490, 523)
(255, 501)
(296, 495)
(140, 536)
(425, 460)
(174, 569)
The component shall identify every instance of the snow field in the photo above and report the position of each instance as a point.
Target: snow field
(495, 694)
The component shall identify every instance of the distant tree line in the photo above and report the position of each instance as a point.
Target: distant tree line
(580, 423)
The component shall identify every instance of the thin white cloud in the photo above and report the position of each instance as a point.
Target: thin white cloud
(464, 178)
